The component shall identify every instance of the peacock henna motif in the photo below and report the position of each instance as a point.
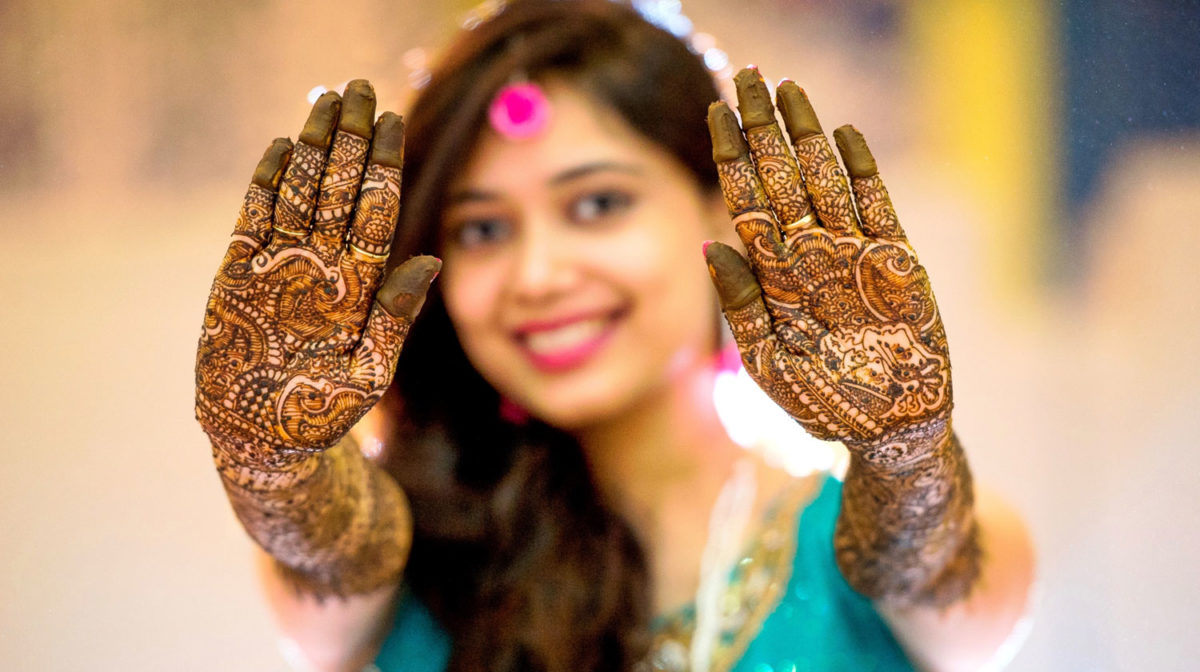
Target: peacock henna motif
(837, 322)
(295, 348)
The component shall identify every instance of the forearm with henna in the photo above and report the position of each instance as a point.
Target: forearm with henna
(836, 320)
(907, 534)
(301, 336)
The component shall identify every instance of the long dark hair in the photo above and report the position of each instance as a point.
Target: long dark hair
(515, 552)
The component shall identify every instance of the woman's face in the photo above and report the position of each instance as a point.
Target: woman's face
(573, 271)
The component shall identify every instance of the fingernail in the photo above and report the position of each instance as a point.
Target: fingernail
(387, 147)
(318, 130)
(754, 101)
(727, 139)
(798, 115)
(853, 148)
(358, 108)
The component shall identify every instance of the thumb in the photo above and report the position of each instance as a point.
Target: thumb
(735, 282)
(403, 293)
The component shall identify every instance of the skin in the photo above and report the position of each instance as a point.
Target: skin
(519, 248)
(640, 402)
(835, 318)
(301, 336)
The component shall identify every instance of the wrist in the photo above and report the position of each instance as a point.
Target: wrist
(903, 447)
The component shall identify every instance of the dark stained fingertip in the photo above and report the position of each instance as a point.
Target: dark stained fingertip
(798, 114)
(735, 282)
(270, 167)
(754, 101)
(358, 108)
(403, 293)
(727, 139)
(388, 146)
(855, 154)
(318, 130)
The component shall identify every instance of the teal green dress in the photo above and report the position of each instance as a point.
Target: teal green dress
(819, 623)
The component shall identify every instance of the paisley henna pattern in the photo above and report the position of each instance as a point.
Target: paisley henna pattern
(294, 350)
(842, 330)
(826, 183)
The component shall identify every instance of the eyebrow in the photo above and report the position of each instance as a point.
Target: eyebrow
(578, 172)
(596, 167)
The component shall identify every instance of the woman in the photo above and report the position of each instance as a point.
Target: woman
(553, 454)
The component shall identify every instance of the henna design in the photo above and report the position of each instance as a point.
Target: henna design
(298, 191)
(906, 534)
(780, 176)
(740, 185)
(878, 216)
(372, 229)
(294, 350)
(826, 183)
(842, 330)
(339, 189)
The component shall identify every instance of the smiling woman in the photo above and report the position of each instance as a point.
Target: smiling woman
(573, 284)
(611, 522)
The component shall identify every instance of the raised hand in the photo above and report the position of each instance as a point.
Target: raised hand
(295, 349)
(301, 337)
(841, 328)
(835, 319)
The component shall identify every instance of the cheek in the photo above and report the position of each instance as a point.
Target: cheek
(665, 270)
(471, 292)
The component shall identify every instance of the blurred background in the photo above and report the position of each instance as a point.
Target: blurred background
(1045, 158)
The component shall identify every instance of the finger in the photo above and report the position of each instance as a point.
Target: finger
(254, 220)
(874, 206)
(742, 303)
(403, 293)
(823, 177)
(745, 197)
(396, 306)
(379, 203)
(344, 172)
(738, 286)
(777, 168)
(298, 189)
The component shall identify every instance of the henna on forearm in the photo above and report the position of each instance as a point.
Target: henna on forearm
(334, 522)
(835, 319)
(906, 534)
(300, 340)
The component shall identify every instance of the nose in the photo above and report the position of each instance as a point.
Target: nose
(545, 265)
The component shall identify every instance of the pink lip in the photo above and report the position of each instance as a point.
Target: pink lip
(566, 358)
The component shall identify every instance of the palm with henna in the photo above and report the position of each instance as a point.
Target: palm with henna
(836, 320)
(301, 336)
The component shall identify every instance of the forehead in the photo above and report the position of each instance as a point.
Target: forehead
(579, 131)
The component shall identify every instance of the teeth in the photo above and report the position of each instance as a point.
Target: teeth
(564, 338)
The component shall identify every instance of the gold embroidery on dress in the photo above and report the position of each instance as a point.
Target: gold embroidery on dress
(755, 588)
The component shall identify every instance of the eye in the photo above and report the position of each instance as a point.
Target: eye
(598, 205)
(473, 233)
